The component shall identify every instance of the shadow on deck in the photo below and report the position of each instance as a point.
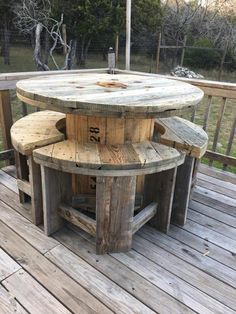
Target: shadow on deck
(192, 269)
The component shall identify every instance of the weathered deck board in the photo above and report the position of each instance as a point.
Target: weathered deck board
(191, 269)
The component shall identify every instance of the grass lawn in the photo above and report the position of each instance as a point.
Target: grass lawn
(22, 61)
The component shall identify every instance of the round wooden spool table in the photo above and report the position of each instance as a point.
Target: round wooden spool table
(115, 112)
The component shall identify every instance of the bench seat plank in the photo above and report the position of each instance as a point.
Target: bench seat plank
(108, 160)
(36, 130)
(183, 135)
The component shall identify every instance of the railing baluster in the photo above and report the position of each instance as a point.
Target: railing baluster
(6, 118)
(230, 142)
(218, 125)
(23, 109)
(207, 113)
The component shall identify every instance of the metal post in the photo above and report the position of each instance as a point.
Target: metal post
(128, 34)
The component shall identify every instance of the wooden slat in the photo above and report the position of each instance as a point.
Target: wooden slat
(24, 186)
(213, 224)
(115, 199)
(216, 181)
(228, 160)
(8, 304)
(25, 229)
(218, 125)
(102, 287)
(8, 181)
(7, 154)
(202, 260)
(207, 113)
(144, 216)
(144, 260)
(7, 265)
(70, 293)
(217, 173)
(156, 257)
(213, 213)
(77, 218)
(5, 118)
(230, 141)
(12, 199)
(35, 298)
(216, 188)
(148, 293)
(202, 245)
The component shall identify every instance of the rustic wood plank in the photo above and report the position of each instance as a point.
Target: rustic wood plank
(195, 277)
(207, 113)
(201, 260)
(102, 287)
(202, 245)
(144, 216)
(56, 188)
(212, 236)
(148, 293)
(35, 298)
(230, 141)
(22, 172)
(129, 95)
(213, 213)
(7, 265)
(216, 196)
(12, 199)
(8, 304)
(216, 188)
(25, 229)
(36, 192)
(223, 184)
(24, 186)
(217, 173)
(160, 187)
(212, 224)
(182, 191)
(36, 130)
(213, 156)
(11, 170)
(70, 293)
(77, 218)
(115, 200)
(5, 118)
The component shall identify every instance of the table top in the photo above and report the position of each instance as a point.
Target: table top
(118, 95)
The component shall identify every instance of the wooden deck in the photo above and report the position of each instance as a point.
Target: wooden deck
(192, 269)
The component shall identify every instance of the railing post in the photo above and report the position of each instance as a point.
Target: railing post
(5, 118)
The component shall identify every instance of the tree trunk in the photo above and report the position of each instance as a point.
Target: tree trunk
(46, 48)
(37, 49)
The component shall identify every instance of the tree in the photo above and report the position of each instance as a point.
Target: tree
(35, 17)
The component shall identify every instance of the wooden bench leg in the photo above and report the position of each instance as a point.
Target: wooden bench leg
(182, 191)
(56, 187)
(160, 187)
(36, 192)
(115, 200)
(22, 173)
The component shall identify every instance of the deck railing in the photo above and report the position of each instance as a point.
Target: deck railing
(218, 97)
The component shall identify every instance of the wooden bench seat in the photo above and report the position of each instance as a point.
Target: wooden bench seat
(191, 139)
(115, 168)
(108, 160)
(33, 131)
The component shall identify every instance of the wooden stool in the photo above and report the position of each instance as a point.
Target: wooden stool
(115, 168)
(33, 131)
(190, 139)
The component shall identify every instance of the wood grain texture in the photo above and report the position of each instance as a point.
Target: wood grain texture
(7, 265)
(183, 135)
(8, 304)
(61, 286)
(144, 96)
(108, 160)
(36, 130)
(34, 297)
(115, 200)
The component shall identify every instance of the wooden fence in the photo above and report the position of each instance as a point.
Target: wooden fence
(213, 90)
